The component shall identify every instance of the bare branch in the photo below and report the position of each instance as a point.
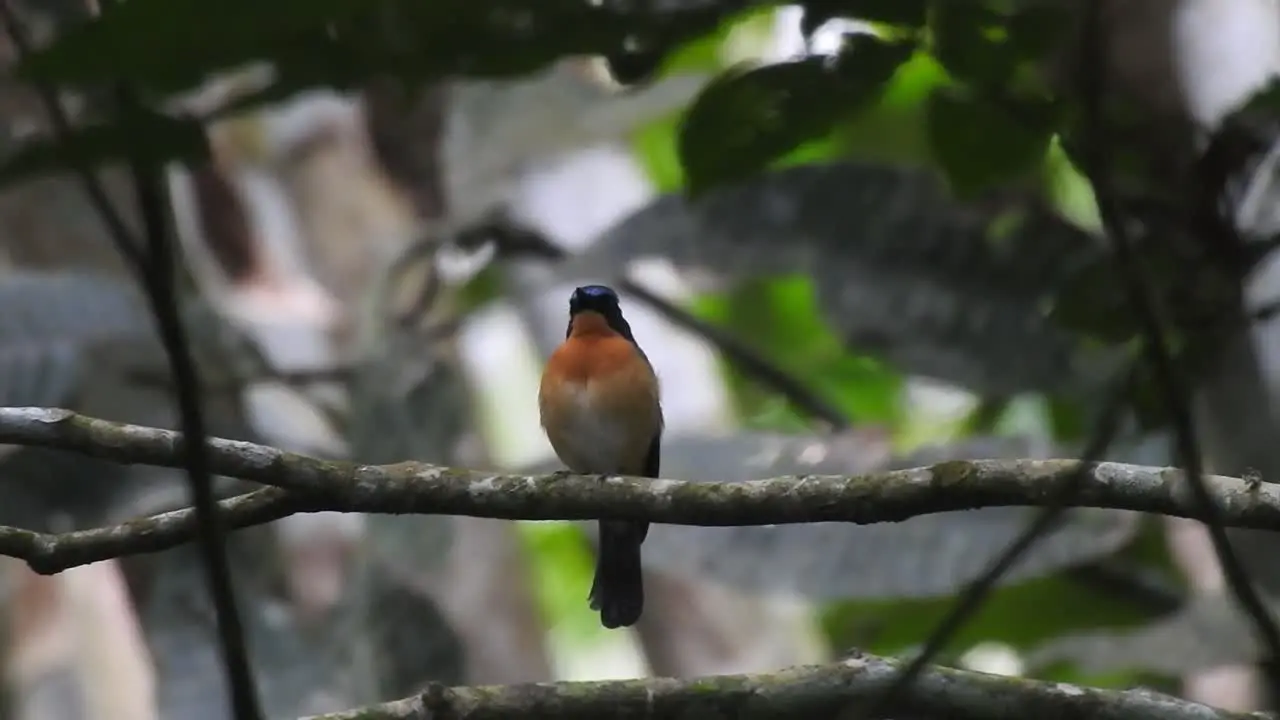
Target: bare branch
(807, 691)
(306, 484)
(49, 553)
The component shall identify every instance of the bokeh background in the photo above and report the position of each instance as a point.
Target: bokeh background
(375, 274)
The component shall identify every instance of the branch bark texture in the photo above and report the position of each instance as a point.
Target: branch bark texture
(840, 690)
(305, 484)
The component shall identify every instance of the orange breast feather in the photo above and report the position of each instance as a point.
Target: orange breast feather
(599, 404)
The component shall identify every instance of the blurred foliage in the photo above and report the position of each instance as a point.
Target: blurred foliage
(96, 144)
(923, 112)
(749, 117)
(655, 142)
(1012, 141)
(564, 567)
(901, 270)
(929, 556)
(781, 319)
(745, 120)
(903, 276)
(1016, 616)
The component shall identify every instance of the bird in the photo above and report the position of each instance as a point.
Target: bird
(600, 408)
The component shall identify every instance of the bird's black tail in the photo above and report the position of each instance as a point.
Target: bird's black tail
(618, 588)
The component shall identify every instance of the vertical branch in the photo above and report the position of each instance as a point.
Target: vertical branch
(158, 279)
(154, 271)
(1168, 375)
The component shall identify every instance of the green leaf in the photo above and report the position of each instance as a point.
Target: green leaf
(1265, 100)
(986, 47)
(903, 272)
(562, 567)
(1022, 615)
(911, 13)
(655, 143)
(1068, 419)
(782, 318)
(1092, 302)
(893, 129)
(165, 47)
(980, 142)
(170, 45)
(1036, 30)
(968, 39)
(656, 149)
(746, 119)
(154, 138)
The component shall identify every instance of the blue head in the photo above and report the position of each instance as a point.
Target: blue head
(602, 300)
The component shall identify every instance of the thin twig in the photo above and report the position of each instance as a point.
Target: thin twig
(162, 296)
(1147, 308)
(49, 553)
(750, 361)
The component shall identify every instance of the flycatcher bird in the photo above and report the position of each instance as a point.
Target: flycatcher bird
(600, 409)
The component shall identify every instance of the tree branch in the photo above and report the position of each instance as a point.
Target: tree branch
(49, 553)
(812, 691)
(306, 484)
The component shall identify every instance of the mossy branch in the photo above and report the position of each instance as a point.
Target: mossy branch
(838, 690)
(306, 484)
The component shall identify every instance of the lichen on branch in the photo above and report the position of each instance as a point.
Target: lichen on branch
(838, 690)
(306, 484)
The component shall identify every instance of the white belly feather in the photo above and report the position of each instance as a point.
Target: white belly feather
(590, 441)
